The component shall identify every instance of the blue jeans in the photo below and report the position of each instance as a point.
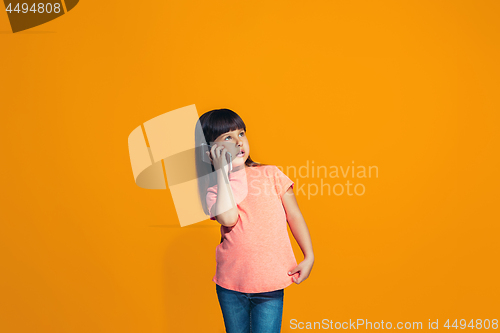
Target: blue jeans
(251, 312)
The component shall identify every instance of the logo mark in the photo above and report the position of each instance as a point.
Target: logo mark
(25, 14)
(163, 152)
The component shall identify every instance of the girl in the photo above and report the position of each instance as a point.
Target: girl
(252, 202)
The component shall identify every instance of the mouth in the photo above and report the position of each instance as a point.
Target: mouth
(241, 153)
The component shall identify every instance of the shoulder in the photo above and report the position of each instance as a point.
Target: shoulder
(273, 170)
(269, 172)
(264, 170)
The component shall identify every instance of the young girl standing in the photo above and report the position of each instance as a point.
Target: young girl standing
(253, 203)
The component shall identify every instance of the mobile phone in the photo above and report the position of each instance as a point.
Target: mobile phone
(206, 159)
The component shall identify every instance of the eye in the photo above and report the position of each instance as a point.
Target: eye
(227, 138)
(242, 133)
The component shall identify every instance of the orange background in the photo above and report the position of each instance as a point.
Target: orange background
(411, 87)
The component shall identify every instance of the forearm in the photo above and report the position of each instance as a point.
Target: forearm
(300, 232)
(225, 204)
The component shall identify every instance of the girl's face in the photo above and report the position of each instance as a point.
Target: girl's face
(238, 138)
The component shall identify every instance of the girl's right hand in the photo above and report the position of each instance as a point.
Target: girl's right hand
(218, 157)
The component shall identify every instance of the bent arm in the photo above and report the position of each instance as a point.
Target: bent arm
(297, 224)
(225, 201)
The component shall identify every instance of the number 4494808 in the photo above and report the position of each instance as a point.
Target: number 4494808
(477, 324)
(35, 8)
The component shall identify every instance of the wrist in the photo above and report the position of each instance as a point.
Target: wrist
(222, 176)
(309, 257)
(222, 171)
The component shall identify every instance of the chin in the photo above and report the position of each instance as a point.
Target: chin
(239, 161)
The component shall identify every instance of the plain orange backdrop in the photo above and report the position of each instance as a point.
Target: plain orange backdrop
(408, 86)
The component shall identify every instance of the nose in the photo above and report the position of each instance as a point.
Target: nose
(240, 143)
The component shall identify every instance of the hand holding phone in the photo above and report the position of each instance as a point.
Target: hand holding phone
(220, 154)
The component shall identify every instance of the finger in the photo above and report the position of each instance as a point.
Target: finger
(218, 151)
(221, 151)
(209, 157)
(212, 150)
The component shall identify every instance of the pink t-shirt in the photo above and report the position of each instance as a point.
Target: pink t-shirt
(256, 254)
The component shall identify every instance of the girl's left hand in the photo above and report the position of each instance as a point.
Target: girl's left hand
(304, 269)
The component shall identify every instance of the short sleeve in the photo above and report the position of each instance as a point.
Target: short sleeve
(281, 182)
(211, 199)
